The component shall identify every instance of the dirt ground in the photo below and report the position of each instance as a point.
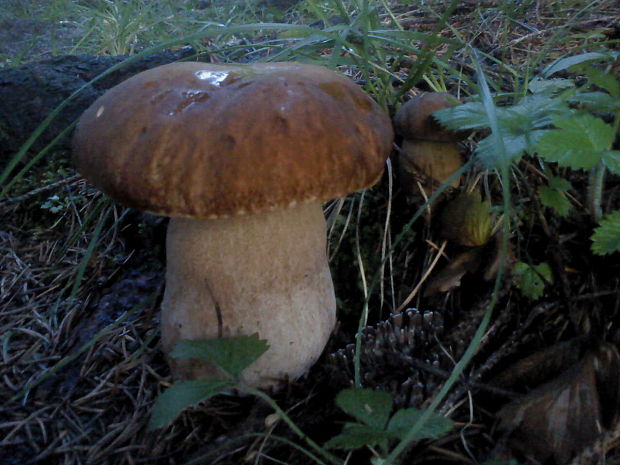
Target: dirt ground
(79, 337)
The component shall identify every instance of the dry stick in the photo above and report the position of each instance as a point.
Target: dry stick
(38, 190)
(386, 231)
(424, 277)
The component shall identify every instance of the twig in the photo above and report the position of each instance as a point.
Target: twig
(38, 190)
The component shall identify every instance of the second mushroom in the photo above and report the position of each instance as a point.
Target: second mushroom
(429, 153)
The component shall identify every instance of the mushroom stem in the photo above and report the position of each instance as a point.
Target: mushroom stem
(265, 273)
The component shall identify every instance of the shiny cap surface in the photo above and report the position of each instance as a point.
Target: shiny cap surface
(202, 140)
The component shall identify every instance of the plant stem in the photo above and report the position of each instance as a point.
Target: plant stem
(595, 190)
(282, 414)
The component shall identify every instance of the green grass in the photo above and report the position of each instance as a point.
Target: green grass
(490, 59)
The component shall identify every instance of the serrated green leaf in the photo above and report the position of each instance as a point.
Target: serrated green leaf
(558, 183)
(578, 143)
(606, 237)
(603, 80)
(231, 354)
(611, 158)
(521, 125)
(596, 101)
(369, 406)
(549, 86)
(463, 117)
(553, 195)
(403, 420)
(531, 280)
(531, 112)
(356, 435)
(516, 146)
(182, 395)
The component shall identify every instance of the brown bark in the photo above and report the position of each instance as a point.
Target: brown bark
(28, 93)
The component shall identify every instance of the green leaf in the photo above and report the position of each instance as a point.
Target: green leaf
(565, 63)
(596, 101)
(182, 395)
(521, 125)
(462, 117)
(549, 86)
(356, 435)
(231, 354)
(606, 237)
(403, 420)
(366, 405)
(558, 183)
(531, 280)
(603, 80)
(554, 195)
(578, 143)
(516, 145)
(611, 158)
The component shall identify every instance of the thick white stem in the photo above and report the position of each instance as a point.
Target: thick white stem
(265, 274)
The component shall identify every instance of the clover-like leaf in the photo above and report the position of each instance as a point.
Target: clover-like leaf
(357, 435)
(368, 406)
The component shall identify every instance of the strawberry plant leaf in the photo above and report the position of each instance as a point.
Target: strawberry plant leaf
(611, 158)
(604, 80)
(596, 101)
(521, 125)
(554, 195)
(516, 145)
(549, 86)
(606, 237)
(578, 143)
(463, 117)
(181, 395)
(531, 280)
(231, 354)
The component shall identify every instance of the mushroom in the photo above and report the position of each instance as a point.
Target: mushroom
(240, 157)
(428, 151)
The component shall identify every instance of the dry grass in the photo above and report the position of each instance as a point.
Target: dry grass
(81, 364)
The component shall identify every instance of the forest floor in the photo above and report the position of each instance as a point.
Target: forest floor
(82, 278)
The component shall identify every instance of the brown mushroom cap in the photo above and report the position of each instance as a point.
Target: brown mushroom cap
(202, 140)
(414, 119)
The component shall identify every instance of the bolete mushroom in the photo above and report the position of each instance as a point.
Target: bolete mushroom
(428, 150)
(240, 156)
